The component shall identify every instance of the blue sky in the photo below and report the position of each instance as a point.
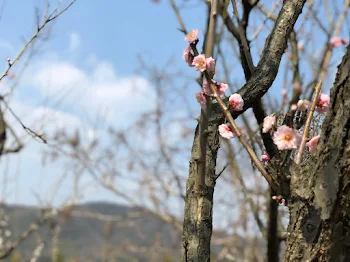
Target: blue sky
(113, 30)
(94, 44)
(93, 49)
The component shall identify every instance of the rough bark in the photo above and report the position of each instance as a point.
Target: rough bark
(320, 188)
(197, 228)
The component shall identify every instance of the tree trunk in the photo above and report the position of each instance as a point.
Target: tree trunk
(320, 188)
(197, 228)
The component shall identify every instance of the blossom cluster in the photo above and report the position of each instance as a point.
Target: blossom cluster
(284, 137)
(337, 42)
(201, 63)
(287, 138)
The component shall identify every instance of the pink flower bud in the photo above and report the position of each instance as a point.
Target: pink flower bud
(312, 144)
(265, 158)
(210, 62)
(269, 122)
(297, 87)
(201, 99)
(237, 102)
(222, 88)
(284, 92)
(337, 42)
(323, 103)
(303, 105)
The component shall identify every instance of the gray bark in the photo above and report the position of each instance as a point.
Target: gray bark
(320, 188)
(197, 227)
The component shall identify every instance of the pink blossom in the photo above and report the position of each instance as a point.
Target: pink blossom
(312, 144)
(297, 87)
(237, 102)
(265, 158)
(279, 199)
(301, 46)
(323, 103)
(286, 138)
(284, 92)
(288, 54)
(8, 59)
(206, 86)
(222, 88)
(210, 62)
(337, 42)
(293, 107)
(303, 105)
(269, 122)
(192, 36)
(187, 56)
(202, 100)
(225, 131)
(199, 63)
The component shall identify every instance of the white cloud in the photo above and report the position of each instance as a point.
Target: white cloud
(93, 90)
(57, 93)
(74, 41)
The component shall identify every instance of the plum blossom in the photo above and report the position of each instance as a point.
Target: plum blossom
(286, 138)
(269, 122)
(312, 144)
(265, 158)
(199, 63)
(303, 105)
(301, 46)
(187, 56)
(284, 92)
(192, 36)
(337, 42)
(293, 107)
(206, 87)
(297, 87)
(226, 132)
(279, 199)
(222, 88)
(202, 100)
(237, 102)
(210, 62)
(323, 103)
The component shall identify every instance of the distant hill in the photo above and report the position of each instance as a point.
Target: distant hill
(89, 239)
(85, 236)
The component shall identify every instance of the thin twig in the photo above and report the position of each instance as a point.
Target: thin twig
(308, 122)
(35, 35)
(27, 129)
